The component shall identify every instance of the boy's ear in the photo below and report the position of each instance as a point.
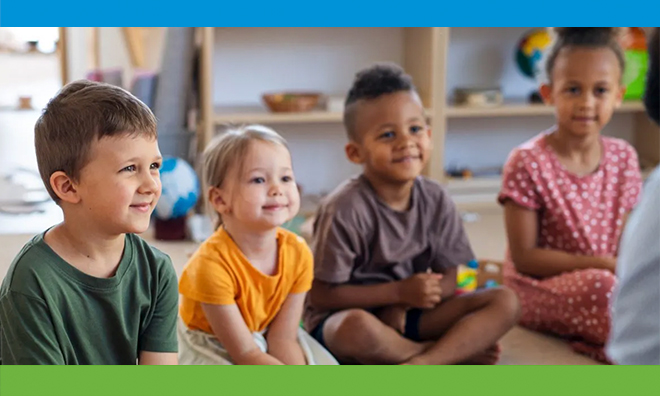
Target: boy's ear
(546, 93)
(354, 153)
(217, 198)
(64, 187)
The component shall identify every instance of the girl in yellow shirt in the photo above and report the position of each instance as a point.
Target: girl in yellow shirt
(243, 290)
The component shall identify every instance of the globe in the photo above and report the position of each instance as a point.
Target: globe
(180, 189)
(529, 52)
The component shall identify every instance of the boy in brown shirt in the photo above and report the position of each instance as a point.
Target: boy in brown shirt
(387, 244)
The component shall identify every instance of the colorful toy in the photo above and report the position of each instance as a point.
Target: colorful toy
(180, 189)
(529, 51)
(483, 274)
(467, 277)
(636, 55)
(490, 274)
(529, 56)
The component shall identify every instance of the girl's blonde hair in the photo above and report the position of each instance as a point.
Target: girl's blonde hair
(227, 152)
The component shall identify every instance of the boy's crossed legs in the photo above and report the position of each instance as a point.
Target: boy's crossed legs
(462, 329)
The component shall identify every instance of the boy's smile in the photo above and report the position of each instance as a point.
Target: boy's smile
(395, 140)
(120, 185)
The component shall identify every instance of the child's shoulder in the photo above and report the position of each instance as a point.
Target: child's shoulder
(30, 267)
(532, 148)
(349, 192)
(431, 188)
(146, 254)
(617, 146)
(216, 247)
(293, 242)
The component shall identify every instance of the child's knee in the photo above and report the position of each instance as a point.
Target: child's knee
(355, 328)
(508, 302)
(594, 287)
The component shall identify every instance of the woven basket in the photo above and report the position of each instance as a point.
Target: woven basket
(287, 102)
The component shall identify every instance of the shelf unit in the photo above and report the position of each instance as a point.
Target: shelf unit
(423, 59)
(523, 110)
(238, 115)
(425, 55)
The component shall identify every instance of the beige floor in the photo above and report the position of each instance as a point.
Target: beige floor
(519, 346)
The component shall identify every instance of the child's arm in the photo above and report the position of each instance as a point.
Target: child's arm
(28, 331)
(158, 342)
(229, 327)
(282, 334)
(522, 229)
(421, 290)
(448, 283)
(158, 358)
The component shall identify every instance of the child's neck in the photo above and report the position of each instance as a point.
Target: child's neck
(395, 195)
(91, 252)
(579, 154)
(258, 246)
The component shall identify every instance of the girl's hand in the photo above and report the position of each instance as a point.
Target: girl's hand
(282, 336)
(230, 329)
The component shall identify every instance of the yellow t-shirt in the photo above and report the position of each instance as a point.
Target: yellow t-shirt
(219, 273)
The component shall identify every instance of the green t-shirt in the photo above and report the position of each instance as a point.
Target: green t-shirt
(52, 313)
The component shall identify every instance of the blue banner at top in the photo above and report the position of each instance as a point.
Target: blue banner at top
(328, 13)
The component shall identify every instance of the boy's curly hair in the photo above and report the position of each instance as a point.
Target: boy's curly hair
(371, 83)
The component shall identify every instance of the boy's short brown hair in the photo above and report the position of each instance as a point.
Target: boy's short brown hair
(81, 113)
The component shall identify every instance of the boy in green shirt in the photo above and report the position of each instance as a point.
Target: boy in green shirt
(89, 291)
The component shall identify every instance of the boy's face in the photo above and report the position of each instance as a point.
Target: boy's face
(395, 141)
(585, 89)
(120, 186)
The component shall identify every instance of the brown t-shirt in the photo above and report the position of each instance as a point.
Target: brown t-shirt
(360, 240)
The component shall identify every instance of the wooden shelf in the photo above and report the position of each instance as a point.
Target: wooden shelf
(523, 109)
(423, 52)
(260, 115)
(482, 182)
(475, 192)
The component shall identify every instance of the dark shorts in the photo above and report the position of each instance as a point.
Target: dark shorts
(411, 329)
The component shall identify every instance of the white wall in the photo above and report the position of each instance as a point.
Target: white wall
(113, 50)
(30, 74)
(251, 61)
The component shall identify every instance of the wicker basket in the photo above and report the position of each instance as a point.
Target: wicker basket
(287, 102)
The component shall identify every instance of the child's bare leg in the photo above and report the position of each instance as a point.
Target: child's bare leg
(356, 335)
(467, 326)
(490, 356)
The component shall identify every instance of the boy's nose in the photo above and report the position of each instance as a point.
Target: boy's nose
(150, 184)
(407, 141)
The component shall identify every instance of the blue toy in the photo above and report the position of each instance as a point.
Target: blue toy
(180, 189)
